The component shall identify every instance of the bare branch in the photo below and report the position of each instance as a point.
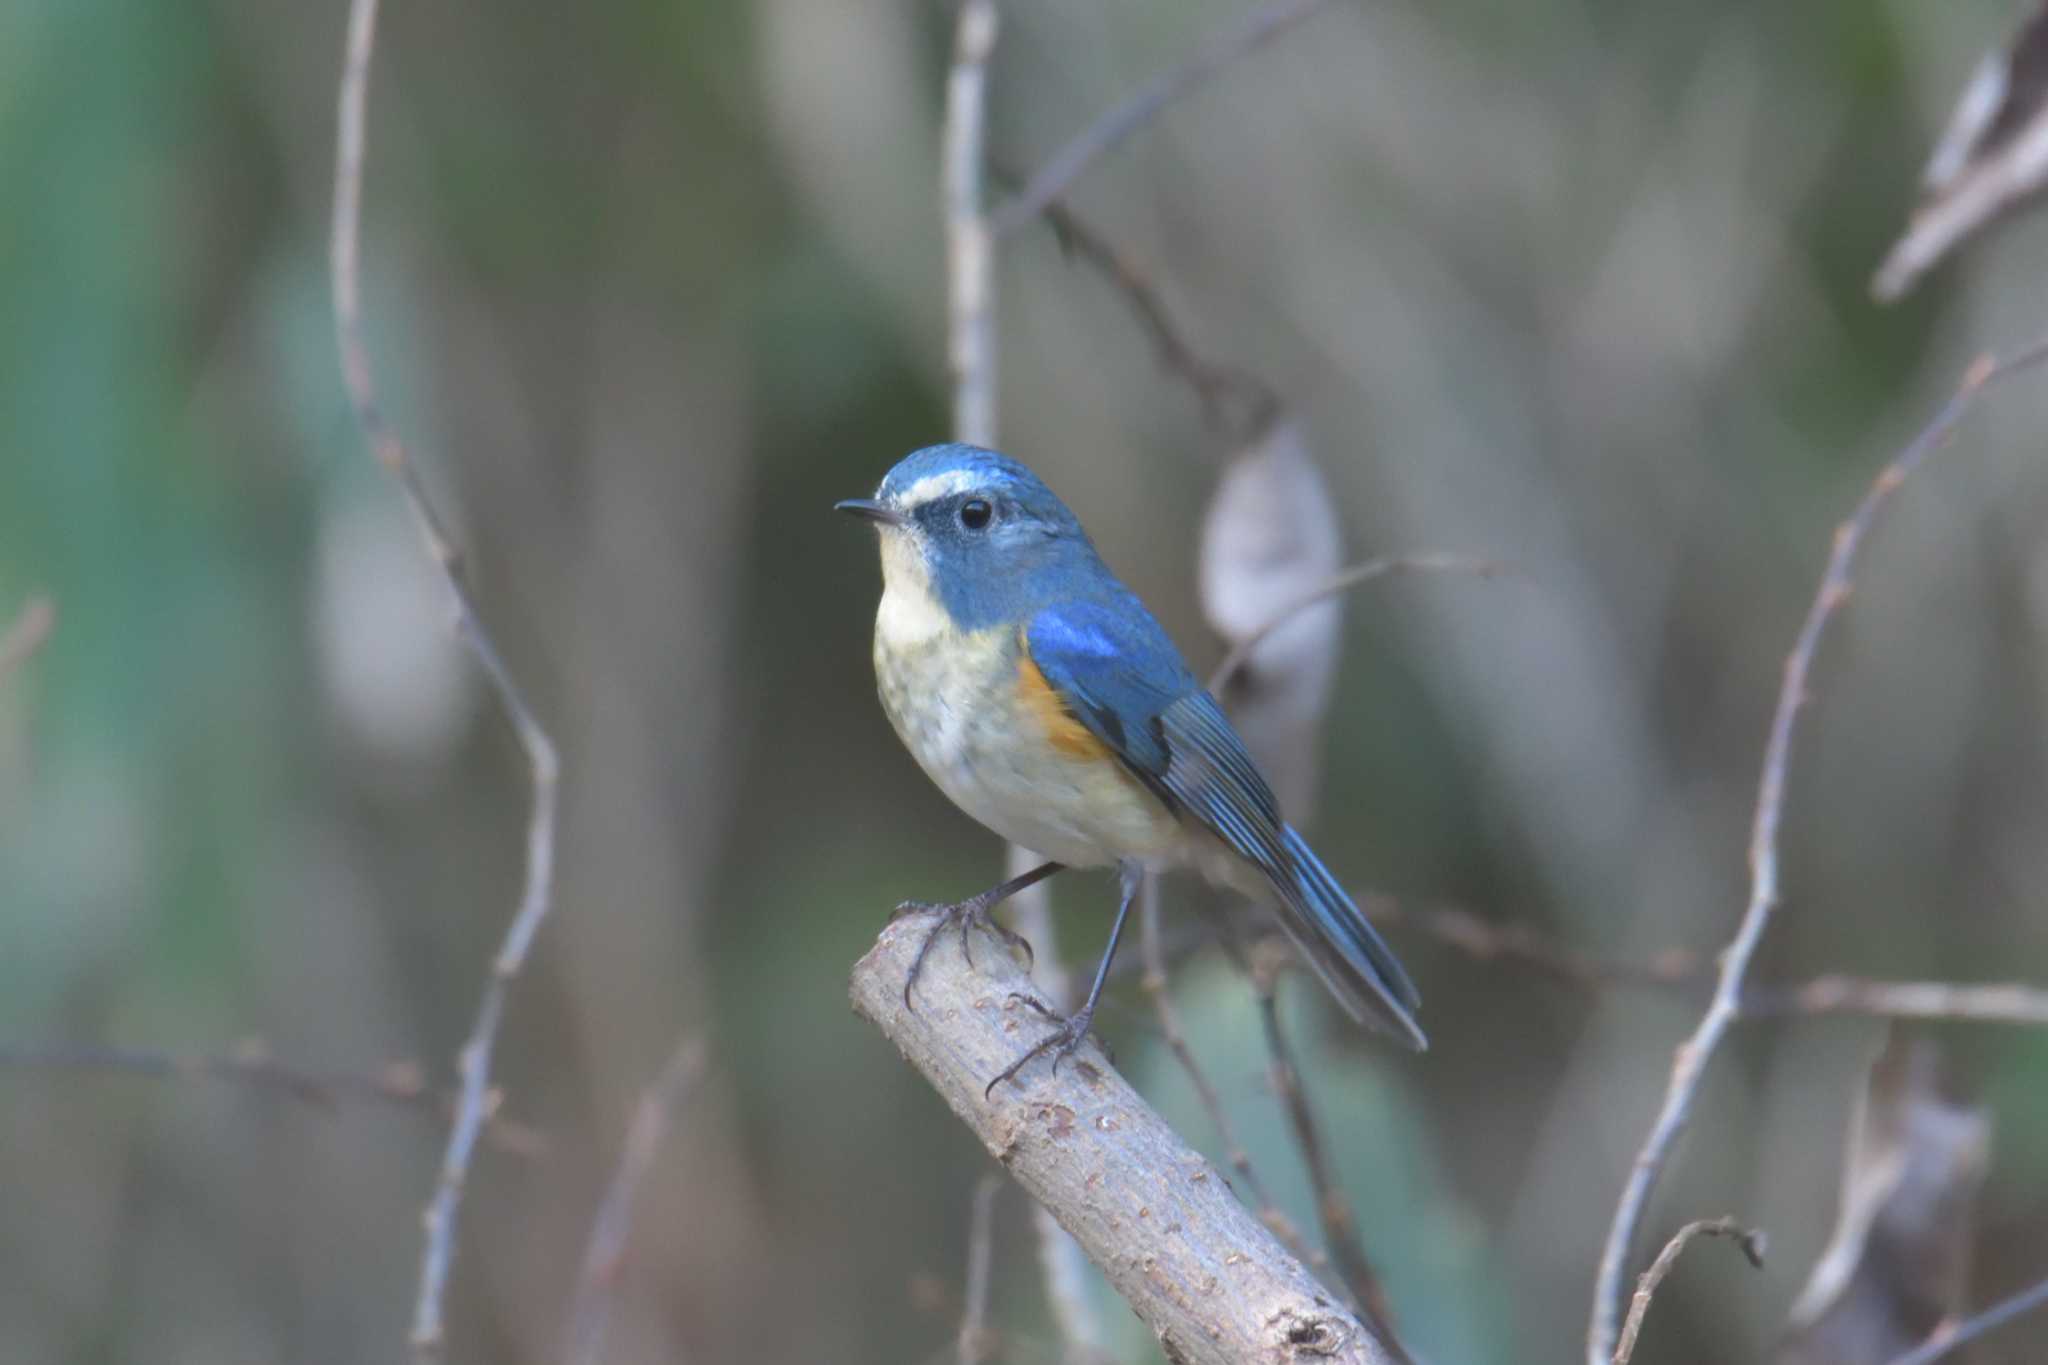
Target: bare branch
(970, 247)
(1343, 581)
(1333, 1209)
(1968, 1330)
(1750, 1240)
(1233, 400)
(1196, 1266)
(1995, 1003)
(1153, 954)
(1242, 36)
(974, 1334)
(400, 1084)
(1674, 969)
(475, 1061)
(604, 1257)
(31, 627)
(1689, 1067)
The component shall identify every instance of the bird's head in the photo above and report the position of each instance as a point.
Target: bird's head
(973, 532)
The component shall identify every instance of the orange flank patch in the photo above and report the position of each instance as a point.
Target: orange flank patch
(1066, 734)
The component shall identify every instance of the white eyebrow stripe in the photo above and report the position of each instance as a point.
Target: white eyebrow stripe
(936, 486)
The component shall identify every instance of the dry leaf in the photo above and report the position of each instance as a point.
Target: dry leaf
(1899, 1260)
(1271, 538)
(1993, 154)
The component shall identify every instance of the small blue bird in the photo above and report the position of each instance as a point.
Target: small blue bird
(1040, 695)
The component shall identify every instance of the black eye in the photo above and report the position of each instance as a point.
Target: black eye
(975, 513)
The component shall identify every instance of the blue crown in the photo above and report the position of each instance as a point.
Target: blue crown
(989, 466)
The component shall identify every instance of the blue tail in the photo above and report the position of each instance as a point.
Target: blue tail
(1346, 951)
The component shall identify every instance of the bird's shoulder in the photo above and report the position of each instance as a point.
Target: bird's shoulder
(1108, 640)
(1113, 668)
(1116, 670)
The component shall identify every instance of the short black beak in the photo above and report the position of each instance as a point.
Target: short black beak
(872, 510)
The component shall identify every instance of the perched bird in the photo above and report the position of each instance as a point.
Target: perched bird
(1040, 695)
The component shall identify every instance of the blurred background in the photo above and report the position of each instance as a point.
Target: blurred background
(1574, 285)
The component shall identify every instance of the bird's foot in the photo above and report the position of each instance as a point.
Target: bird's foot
(964, 916)
(1063, 1042)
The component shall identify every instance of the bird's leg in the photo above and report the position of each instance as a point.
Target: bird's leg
(1065, 1040)
(969, 914)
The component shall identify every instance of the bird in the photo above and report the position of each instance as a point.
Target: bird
(1042, 697)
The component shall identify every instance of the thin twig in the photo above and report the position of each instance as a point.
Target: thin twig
(974, 1334)
(1750, 1240)
(1342, 581)
(1993, 1003)
(1484, 940)
(400, 1084)
(1152, 950)
(1241, 36)
(1233, 400)
(1969, 1329)
(31, 627)
(1675, 969)
(604, 1257)
(1690, 1065)
(438, 1255)
(1333, 1209)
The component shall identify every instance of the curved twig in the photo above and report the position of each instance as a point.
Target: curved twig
(1690, 1066)
(1749, 1239)
(475, 1060)
(1234, 400)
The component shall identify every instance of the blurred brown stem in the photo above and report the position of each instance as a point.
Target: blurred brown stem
(1152, 950)
(1333, 1209)
(1750, 1240)
(399, 1084)
(1243, 35)
(437, 1256)
(1690, 1065)
(1233, 400)
(604, 1257)
(1197, 1267)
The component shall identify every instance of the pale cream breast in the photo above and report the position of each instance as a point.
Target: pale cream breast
(953, 698)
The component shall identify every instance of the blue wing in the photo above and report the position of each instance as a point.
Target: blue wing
(1117, 672)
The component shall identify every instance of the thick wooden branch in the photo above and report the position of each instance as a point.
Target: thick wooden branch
(1196, 1266)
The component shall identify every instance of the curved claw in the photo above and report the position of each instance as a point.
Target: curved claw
(1019, 998)
(964, 916)
(1063, 1042)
